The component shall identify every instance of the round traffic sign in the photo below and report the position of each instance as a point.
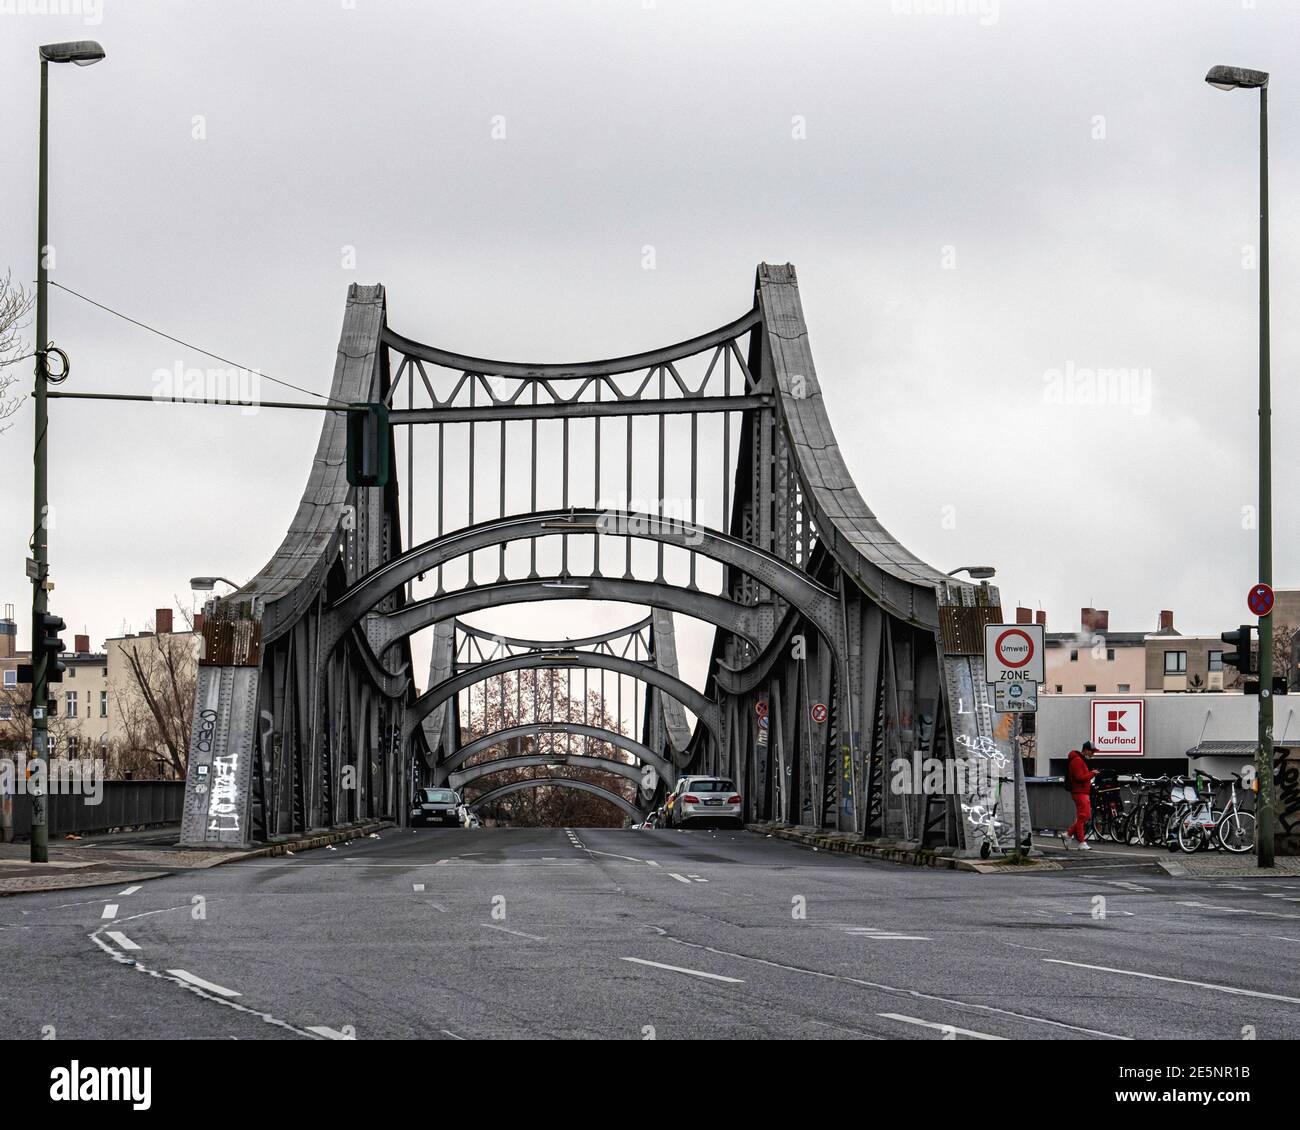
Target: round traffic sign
(760, 708)
(1260, 599)
(1014, 648)
(819, 714)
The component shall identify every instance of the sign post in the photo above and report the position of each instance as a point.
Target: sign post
(1013, 666)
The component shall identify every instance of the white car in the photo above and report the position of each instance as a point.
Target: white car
(706, 799)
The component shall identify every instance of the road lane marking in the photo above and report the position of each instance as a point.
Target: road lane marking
(944, 1028)
(516, 933)
(1238, 910)
(110, 910)
(915, 994)
(449, 1032)
(1128, 885)
(652, 863)
(697, 879)
(688, 972)
(121, 939)
(417, 886)
(128, 891)
(615, 855)
(200, 983)
(1178, 981)
(679, 878)
(329, 1033)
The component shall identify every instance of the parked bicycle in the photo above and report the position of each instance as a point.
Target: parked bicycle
(1235, 830)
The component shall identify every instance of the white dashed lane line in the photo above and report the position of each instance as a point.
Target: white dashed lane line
(200, 983)
(944, 1028)
(329, 1033)
(688, 972)
(122, 940)
(110, 910)
(1230, 989)
(128, 891)
(679, 878)
(516, 933)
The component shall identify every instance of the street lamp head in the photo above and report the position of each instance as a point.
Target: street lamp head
(1230, 78)
(977, 572)
(83, 52)
(203, 584)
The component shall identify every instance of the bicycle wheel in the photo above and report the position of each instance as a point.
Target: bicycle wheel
(1237, 831)
(1190, 836)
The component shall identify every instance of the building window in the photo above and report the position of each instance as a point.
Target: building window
(11, 677)
(1216, 661)
(1123, 688)
(72, 745)
(71, 697)
(6, 713)
(1110, 655)
(103, 672)
(1074, 655)
(103, 704)
(1089, 688)
(72, 672)
(1175, 663)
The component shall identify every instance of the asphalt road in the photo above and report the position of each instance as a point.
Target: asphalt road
(612, 934)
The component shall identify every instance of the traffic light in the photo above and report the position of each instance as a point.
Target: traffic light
(48, 627)
(51, 626)
(368, 445)
(1243, 659)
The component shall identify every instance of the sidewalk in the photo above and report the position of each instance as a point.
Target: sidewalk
(133, 857)
(896, 851)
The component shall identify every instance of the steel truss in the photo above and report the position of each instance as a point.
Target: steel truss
(844, 680)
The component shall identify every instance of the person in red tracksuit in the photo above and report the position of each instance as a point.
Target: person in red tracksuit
(1079, 777)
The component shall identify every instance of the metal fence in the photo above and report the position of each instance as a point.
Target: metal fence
(124, 804)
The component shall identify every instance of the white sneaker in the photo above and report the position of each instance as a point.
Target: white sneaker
(1084, 847)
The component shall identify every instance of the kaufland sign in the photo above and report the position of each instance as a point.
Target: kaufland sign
(1117, 726)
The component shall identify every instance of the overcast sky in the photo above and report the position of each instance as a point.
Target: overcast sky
(979, 203)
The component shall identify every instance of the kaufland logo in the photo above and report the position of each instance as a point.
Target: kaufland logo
(1117, 727)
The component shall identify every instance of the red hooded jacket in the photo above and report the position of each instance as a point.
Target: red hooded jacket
(1077, 774)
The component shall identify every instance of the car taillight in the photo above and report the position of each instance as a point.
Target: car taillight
(734, 799)
(688, 799)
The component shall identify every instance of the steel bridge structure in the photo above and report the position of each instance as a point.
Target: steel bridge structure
(779, 635)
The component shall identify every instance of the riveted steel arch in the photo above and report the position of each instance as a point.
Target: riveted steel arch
(462, 777)
(559, 783)
(533, 729)
(701, 479)
(436, 695)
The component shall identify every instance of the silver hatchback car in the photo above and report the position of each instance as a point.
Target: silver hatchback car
(711, 799)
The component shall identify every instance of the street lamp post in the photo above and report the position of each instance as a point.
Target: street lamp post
(1234, 78)
(83, 53)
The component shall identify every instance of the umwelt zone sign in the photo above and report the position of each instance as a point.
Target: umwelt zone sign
(1117, 726)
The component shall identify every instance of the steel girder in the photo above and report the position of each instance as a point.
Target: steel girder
(484, 742)
(556, 782)
(840, 658)
(531, 760)
(441, 692)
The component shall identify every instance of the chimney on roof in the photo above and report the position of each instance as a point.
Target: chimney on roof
(198, 621)
(1024, 616)
(81, 644)
(8, 635)
(1167, 620)
(1094, 619)
(1041, 618)
(162, 621)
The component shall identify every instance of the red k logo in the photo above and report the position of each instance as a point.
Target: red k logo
(1115, 722)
